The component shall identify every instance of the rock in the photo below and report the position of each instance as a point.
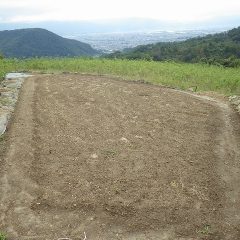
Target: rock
(192, 89)
(235, 100)
(3, 122)
(123, 139)
(9, 94)
(94, 156)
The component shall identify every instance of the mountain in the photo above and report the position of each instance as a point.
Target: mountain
(69, 28)
(91, 26)
(222, 48)
(37, 42)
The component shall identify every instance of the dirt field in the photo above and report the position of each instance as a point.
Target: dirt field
(97, 158)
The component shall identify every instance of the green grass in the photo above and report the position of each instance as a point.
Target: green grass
(180, 75)
(3, 236)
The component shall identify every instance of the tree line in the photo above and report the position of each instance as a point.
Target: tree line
(218, 49)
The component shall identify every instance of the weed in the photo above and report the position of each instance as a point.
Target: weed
(205, 230)
(3, 236)
(5, 101)
(178, 75)
(109, 153)
(2, 139)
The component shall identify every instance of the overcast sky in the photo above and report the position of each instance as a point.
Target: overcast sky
(173, 10)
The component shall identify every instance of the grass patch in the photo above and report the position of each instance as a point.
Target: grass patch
(2, 138)
(181, 75)
(109, 153)
(5, 101)
(3, 236)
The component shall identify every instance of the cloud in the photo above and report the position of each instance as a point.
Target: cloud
(62, 10)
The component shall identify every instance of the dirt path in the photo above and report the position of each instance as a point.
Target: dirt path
(119, 160)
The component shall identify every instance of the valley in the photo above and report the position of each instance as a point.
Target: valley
(117, 41)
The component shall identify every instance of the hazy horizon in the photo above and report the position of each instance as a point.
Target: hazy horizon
(73, 17)
(184, 11)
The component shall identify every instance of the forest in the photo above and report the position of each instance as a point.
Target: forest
(221, 49)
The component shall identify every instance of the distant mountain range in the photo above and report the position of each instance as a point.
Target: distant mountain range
(222, 48)
(37, 42)
(69, 28)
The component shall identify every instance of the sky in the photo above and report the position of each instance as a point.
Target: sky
(73, 10)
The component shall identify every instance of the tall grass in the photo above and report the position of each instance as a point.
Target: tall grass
(180, 75)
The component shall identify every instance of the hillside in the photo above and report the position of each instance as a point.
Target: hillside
(222, 48)
(37, 42)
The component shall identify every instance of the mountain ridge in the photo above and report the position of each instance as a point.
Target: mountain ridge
(38, 42)
(65, 28)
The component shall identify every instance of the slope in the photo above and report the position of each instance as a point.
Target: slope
(222, 48)
(36, 42)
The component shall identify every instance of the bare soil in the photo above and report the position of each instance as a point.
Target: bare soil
(90, 157)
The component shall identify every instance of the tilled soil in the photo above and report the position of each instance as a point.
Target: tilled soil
(92, 157)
